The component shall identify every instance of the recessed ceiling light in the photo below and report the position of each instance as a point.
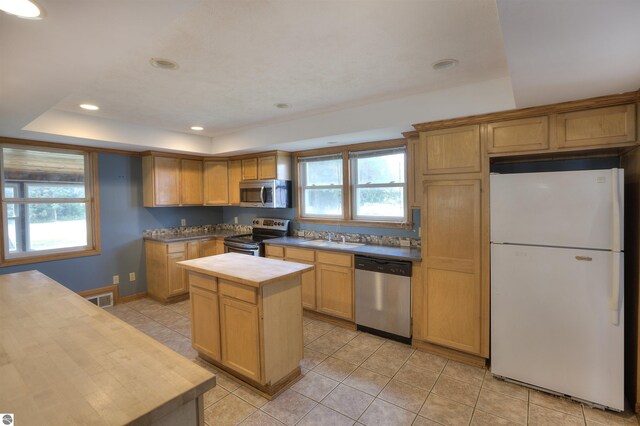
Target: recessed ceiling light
(197, 128)
(89, 107)
(21, 8)
(165, 64)
(444, 64)
(283, 105)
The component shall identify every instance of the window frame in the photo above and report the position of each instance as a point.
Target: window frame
(90, 200)
(348, 190)
(303, 187)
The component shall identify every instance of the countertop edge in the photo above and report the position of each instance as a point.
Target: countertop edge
(256, 284)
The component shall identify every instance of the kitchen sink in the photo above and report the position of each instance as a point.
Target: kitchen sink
(325, 243)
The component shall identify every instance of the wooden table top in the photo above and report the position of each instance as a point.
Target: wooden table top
(250, 270)
(65, 361)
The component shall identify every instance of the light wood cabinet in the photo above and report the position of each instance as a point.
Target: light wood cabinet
(235, 176)
(448, 151)
(240, 337)
(176, 283)
(169, 181)
(414, 173)
(335, 285)
(527, 134)
(205, 316)
(308, 278)
(267, 167)
(596, 127)
(450, 288)
(191, 182)
(216, 182)
(250, 169)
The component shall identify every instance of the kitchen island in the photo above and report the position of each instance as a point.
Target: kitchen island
(246, 317)
(65, 361)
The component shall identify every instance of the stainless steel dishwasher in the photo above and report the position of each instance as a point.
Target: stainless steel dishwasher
(383, 297)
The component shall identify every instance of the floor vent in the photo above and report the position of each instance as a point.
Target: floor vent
(104, 300)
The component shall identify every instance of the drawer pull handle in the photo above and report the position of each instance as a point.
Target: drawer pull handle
(587, 258)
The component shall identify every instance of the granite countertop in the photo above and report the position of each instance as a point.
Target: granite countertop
(249, 270)
(413, 254)
(175, 237)
(66, 361)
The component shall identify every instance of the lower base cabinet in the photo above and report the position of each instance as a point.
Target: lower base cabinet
(335, 288)
(240, 337)
(205, 318)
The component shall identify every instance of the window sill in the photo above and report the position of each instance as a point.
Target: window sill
(49, 257)
(368, 224)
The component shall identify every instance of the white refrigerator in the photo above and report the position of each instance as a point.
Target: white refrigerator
(557, 319)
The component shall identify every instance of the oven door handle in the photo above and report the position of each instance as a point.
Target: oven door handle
(262, 194)
(243, 246)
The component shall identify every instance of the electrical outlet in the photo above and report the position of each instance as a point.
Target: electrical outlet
(405, 243)
(183, 222)
(116, 279)
(132, 276)
(235, 219)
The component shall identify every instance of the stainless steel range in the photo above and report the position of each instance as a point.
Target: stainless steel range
(252, 244)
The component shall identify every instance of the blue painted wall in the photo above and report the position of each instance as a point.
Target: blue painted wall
(122, 220)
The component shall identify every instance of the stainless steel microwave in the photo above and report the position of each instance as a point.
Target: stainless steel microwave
(273, 194)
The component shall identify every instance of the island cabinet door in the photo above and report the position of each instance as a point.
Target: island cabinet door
(176, 275)
(240, 337)
(205, 322)
(334, 287)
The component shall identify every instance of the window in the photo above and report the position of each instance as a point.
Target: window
(47, 204)
(322, 185)
(378, 187)
(374, 191)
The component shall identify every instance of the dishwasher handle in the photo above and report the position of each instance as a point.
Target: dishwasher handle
(384, 266)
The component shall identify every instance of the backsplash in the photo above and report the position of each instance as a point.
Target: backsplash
(356, 238)
(185, 230)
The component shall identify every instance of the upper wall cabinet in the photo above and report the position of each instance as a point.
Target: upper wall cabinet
(527, 134)
(216, 182)
(454, 150)
(596, 127)
(235, 176)
(272, 166)
(169, 181)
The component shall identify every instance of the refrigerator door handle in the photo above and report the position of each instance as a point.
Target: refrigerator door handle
(616, 283)
(616, 226)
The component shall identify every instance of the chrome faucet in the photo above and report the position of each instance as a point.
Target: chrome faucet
(343, 240)
(329, 236)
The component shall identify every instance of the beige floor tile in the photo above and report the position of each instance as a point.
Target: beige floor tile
(335, 369)
(367, 341)
(366, 381)
(306, 320)
(403, 395)
(320, 326)
(502, 406)
(348, 401)
(226, 382)
(445, 411)
(464, 372)
(383, 413)
(456, 390)
(383, 364)
(182, 326)
(556, 403)
(324, 416)
(314, 386)
(480, 418)
(343, 334)
(326, 344)
(311, 335)
(395, 350)
(230, 410)
(427, 361)
(311, 359)
(353, 353)
(418, 377)
(540, 416)
(423, 421)
(501, 386)
(607, 417)
(250, 396)
(289, 407)
(214, 395)
(260, 418)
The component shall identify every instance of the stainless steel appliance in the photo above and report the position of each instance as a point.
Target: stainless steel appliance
(265, 193)
(252, 244)
(383, 297)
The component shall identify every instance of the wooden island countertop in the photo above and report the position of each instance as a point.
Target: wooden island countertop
(253, 271)
(65, 361)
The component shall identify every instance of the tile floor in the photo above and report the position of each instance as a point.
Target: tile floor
(356, 378)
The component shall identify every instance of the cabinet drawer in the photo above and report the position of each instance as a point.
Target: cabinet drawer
(203, 281)
(238, 291)
(175, 247)
(300, 254)
(336, 259)
(274, 251)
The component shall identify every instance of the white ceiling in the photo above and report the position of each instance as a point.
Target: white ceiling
(354, 71)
